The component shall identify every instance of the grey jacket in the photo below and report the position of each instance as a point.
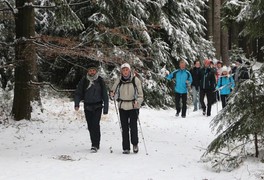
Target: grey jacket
(127, 94)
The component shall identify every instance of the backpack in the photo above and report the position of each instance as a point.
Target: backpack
(121, 82)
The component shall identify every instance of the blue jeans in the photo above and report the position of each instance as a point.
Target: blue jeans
(196, 98)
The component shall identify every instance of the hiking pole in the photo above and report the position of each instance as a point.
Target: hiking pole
(216, 93)
(118, 118)
(143, 139)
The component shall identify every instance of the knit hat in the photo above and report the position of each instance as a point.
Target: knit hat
(125, 65)
(92, 65)
(224, 69)
(219, 62)
(207, 62)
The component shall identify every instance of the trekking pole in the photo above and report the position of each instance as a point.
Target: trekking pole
(217, 92)
(118, 118)
(143, 139)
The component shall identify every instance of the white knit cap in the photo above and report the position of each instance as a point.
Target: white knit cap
(224, 69)
(125, 65)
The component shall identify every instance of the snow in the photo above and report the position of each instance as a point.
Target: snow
(55, 145)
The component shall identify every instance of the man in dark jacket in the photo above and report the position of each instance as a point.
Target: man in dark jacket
(241, 72)
(195, 72)
(92, 90)
(207, 86)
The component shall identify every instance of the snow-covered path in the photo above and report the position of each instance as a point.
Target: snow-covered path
(55, 145)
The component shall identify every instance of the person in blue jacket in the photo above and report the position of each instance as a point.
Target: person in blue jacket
(225, 84)
(182, 78)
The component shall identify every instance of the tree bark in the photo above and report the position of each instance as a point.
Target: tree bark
(217, 28)
(225, 43)
(260, 53)
(209, 19)
(25, 56)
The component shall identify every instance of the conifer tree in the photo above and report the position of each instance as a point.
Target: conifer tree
(241, 121)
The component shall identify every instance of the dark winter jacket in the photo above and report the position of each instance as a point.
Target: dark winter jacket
(241, 73)
(94, 97)
(207, 79)
(195, 72)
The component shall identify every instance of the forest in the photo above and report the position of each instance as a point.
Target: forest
(46, 45)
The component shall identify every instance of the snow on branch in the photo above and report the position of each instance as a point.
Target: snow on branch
(7, 66)
(10, 7)
(50, 85)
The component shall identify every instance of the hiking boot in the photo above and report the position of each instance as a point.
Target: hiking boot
(126, 152)
(204, 111)
(183, 116)
(135, 148)
(177, 114)
(195, 109)
(94, 150)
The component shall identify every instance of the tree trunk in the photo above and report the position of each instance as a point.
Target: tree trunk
(217, 28)
(256, 145)
(260, 53)
(25, 55)
(209, 19)
(225, 43)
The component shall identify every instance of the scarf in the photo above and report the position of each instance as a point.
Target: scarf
(91, 79)
(126, 78)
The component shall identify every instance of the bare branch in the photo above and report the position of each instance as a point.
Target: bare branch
(80, 3)
(51, 86)
(6, 44)
(7, 66)
(10, 7)
(45, 7)
(74, 64)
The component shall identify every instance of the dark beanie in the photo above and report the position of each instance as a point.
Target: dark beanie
(92, 65)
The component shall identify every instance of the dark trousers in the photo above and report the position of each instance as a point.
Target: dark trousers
(209, 95)
(183, 98)
(224, 100)
(93, 121)
(129, 122)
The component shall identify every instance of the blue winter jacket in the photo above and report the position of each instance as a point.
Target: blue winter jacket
(180, 77)
(227, 83)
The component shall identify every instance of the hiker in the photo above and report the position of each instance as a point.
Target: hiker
(219, 66)
(207, 86)
(128, 91)
(195, 72)
(182, 78)
(224, 85)
(92, 90)
(241, 72)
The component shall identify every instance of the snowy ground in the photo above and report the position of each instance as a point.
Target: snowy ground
(55, 145)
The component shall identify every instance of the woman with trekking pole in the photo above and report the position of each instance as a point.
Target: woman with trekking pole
(127, 90)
